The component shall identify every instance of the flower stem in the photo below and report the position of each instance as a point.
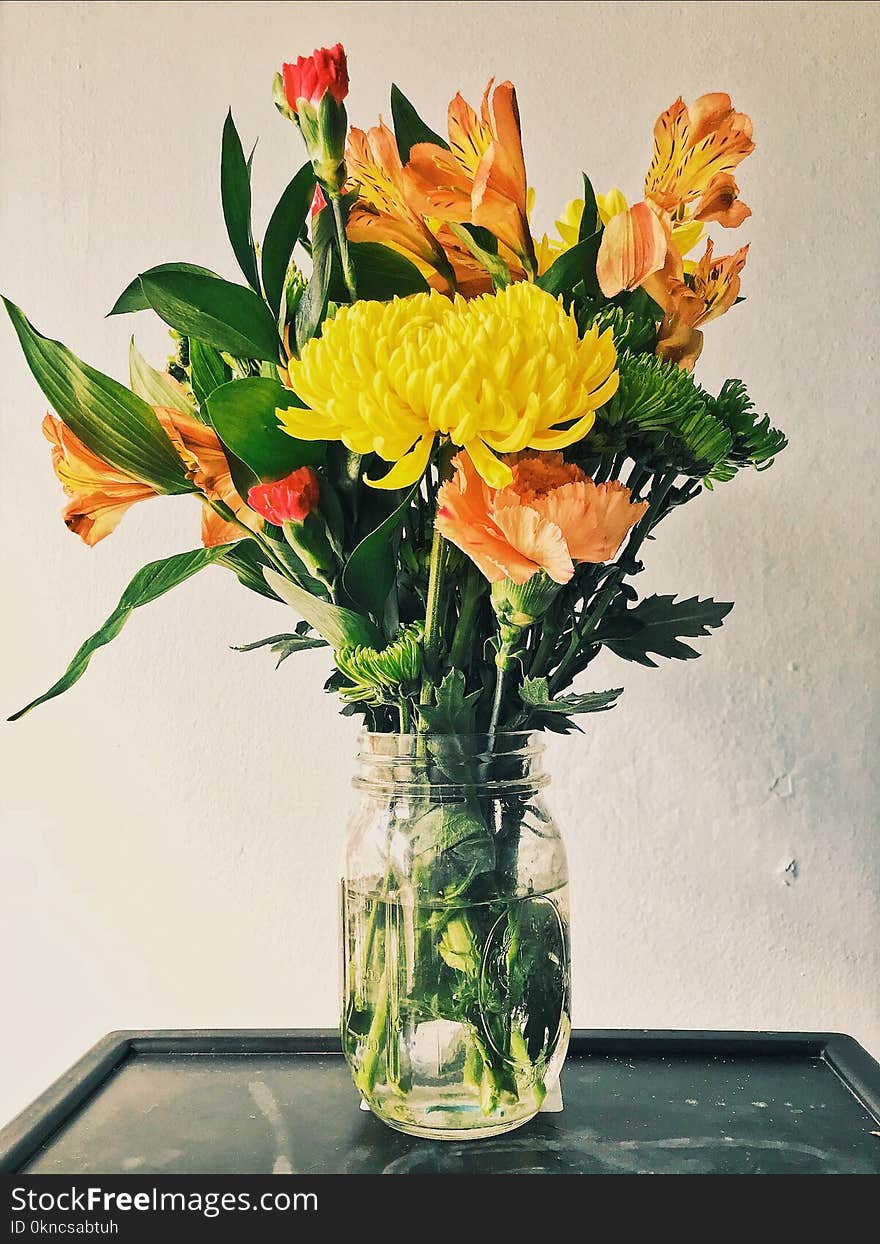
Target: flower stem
(431, 643)
(471, 594)
(500, 671)
(344, 253)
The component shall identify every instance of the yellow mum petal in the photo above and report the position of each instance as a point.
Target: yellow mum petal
(410, 468)
(496, 473)
(611, 204)
(560, 440)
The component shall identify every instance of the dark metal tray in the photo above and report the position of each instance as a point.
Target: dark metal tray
(635, 1102)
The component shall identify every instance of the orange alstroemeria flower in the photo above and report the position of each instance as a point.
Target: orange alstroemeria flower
(100, 493)
(716, 286)
(634, 245)
(548, 518)
(381, 213)
(481, 179)
(696, 149)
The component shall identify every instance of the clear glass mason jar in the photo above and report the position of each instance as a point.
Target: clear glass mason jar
(456, 984)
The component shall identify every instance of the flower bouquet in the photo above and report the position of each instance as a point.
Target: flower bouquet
(439, 443)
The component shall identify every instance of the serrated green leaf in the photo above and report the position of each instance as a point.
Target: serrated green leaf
(133, 297)
(226, 316)
(656, 625)
(285, 226)
(156, 387)
(283, 646)
(370, 571)
(243, 413)
(147, 585)
(235, 194)
(113, 422)
(383, 273)
(453, 712)
(409, 128)
(535, 693)
(342, 628)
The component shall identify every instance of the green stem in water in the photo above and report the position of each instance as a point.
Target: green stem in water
(348, 272)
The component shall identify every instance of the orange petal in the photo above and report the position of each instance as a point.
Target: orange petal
(720, 201)
(594, 518)
(535, 543)
(634, 245)
(436, 184)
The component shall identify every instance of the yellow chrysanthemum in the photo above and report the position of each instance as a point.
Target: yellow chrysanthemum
(497, 374)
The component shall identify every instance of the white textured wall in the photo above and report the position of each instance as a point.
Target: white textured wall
(172, 828)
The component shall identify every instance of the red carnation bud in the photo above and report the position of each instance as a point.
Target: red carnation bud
(312, 77)
(288, 500)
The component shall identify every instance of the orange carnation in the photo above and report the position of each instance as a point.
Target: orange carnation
(551, 516)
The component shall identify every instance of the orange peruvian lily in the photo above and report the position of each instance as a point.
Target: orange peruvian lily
(100, 493)
(481, 179)
(634, 245)
(381, 213)
(716, 286)
(696, 149)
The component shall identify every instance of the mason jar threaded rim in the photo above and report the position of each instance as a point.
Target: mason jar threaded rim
(444, 765)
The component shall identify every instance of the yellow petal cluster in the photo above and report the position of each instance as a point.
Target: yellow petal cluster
(496, 374)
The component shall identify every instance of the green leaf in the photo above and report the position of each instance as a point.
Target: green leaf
(235, 193)
(133, 297)
(383, 273)
(312, 306)
(591, 222)
(283, 646)
(655, 626)
(574, 265)
(156, 387)
(147, 585)
(113, 422)
(207, 369)
(409, 128)
(285, 226)
(494, 265)
(226, 316)
(342, 628)
(535, 693)
(453, 712)
(370, 571)
(243, 414)
(247, 562)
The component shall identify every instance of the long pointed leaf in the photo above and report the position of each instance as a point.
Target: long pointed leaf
(574, 265)
(235, 192)
(207, 369)
(133, 297)
(147, 585)
(285, 226)
(369, 572)
(342, 628)
(409, 128)
(226, 316)
(156, 387)
(113, 422)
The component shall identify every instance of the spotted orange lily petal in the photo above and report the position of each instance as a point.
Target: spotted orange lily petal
(381, 213)
(717, 281)
(481, 179)
(100, 494)
(693, 145)
(634, 245)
